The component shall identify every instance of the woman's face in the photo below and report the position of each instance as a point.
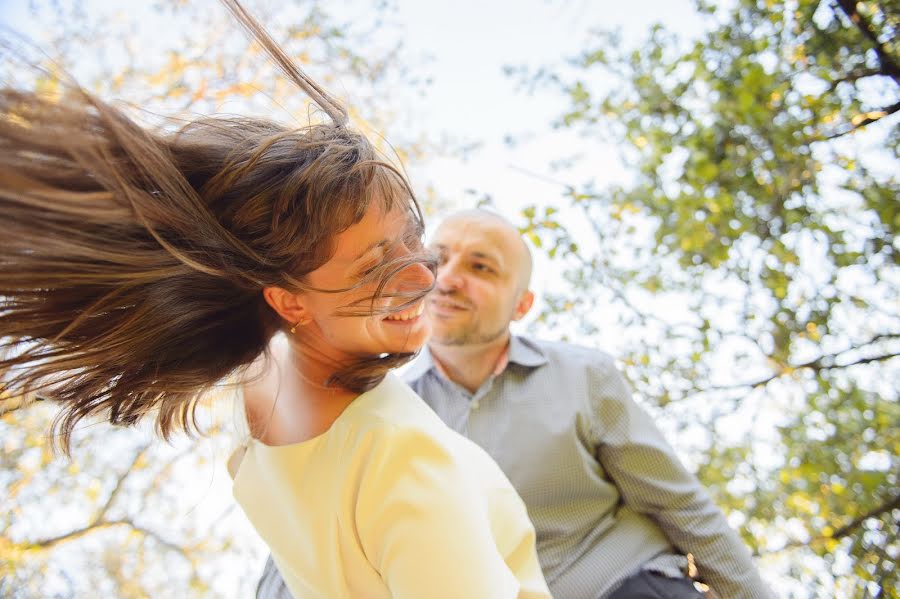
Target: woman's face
(377, 238)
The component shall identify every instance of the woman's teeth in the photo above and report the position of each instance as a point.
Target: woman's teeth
(409, 314)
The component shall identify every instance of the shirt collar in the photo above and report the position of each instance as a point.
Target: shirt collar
(522, 351)
(525, 352)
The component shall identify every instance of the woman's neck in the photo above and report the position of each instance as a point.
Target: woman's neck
(290, 402)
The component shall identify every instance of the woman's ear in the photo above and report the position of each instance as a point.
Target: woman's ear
(288, 305)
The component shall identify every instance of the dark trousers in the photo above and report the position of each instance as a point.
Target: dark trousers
(650, 585)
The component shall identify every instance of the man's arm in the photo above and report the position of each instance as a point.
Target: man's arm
(653, 482)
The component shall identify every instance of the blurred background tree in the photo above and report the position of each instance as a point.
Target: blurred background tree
(751, 257)
(128, 516)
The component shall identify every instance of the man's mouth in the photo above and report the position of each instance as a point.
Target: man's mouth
(410, 313)
(442, 303)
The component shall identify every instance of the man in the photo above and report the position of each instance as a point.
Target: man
(616, 514)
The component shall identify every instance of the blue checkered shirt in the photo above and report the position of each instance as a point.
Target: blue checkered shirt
(605, 491)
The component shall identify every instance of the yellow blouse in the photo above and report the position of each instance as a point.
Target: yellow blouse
(389, 502)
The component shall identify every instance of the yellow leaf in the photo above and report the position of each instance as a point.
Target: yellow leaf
(201, 91)
(93, 490)
(48, 87)
(813, 331)
(871, 116)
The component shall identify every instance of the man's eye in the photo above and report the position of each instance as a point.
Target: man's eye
(482, 267)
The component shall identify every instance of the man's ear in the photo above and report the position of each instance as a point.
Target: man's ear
(523, 304)
(288, 305)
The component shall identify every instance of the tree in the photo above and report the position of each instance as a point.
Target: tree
(127, 516)
(752, 263)
(130, 516)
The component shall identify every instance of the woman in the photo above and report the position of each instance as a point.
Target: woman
(139, 268)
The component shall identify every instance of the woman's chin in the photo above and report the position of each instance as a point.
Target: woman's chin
(405, 337)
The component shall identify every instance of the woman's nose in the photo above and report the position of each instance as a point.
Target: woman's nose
(419, 275)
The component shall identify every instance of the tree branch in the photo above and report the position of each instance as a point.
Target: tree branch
(866, 118)
(101, 515)
(853, 76)
(826, 362)
(97, 526)
(847, 529)
(888, 66)
(844, 531)
(13, 404)
(100, 522)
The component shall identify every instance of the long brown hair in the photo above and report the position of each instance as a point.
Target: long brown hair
(132, 261)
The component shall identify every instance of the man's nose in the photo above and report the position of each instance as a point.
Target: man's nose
(449, 276)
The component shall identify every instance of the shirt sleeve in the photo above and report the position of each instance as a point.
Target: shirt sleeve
(652, 481)
(424, 527)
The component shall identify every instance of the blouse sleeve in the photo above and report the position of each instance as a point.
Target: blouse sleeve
(424, 526)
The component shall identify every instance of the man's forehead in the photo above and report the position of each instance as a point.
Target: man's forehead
(473, 236)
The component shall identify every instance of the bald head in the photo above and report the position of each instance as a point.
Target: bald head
(511, 244)
(483, 274)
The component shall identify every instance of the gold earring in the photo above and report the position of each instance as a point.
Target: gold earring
(299, 323)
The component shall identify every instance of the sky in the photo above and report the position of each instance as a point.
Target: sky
(470, 43)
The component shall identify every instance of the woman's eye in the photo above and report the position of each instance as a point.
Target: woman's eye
(367, 270)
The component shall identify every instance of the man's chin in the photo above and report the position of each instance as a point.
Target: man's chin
(449, 337)
(449, 342)
(454, 338)
(441, 336)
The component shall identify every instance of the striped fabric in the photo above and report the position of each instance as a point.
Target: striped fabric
(607, 494)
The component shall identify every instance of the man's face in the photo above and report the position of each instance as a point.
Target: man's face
(479, 281)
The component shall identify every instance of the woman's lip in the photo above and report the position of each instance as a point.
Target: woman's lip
(408, 321)
(417, 310)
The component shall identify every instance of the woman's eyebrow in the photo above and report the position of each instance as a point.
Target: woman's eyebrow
(372, 246)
